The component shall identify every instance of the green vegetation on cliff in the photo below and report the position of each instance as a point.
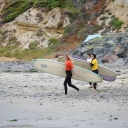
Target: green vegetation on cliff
(27, 54)
(116, 23)
(16, 7)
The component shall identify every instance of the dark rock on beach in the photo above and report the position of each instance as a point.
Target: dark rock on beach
(16, 66)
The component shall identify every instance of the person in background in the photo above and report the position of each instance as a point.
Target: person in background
(94, 66)
(68, 69)
(89, 59)
(56, 55)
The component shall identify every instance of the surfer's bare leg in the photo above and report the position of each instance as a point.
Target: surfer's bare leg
(64, 96)
(90, 85)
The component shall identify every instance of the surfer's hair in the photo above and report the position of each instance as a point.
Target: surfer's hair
(94, 55)
(68, 57)
(89, 54)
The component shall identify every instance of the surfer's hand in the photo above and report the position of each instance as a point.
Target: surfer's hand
(77, 74)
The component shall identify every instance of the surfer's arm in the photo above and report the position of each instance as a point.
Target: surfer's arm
(75, 72)
(91, 64)
(73, 69)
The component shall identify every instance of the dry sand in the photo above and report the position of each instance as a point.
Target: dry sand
(35, 100)
(2, 59)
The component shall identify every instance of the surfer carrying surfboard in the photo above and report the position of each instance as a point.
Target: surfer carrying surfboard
(94, 66)
(68, 68)
(89, 59)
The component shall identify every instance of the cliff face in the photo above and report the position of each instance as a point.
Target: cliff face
(2, 4)
(39, 25)
(36, 25)
(119, 9)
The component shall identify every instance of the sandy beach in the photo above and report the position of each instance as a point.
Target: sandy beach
(34, 100)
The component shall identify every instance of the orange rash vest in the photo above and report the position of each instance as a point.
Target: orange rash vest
(68, 65)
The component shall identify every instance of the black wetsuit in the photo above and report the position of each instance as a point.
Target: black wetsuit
(68, 81)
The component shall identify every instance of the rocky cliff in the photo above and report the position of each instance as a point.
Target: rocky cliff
(2, 4)
(36, 25)
(119, 9)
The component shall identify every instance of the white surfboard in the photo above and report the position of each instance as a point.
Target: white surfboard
(58, 68)
(104, 72)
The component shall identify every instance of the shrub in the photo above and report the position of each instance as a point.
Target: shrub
(83, 1)
(8, 54)
(109, 13)
(53, 40)
(14, 30)
(11, 17)
(20, 6)
(50, 4)
(82, 31)
(33, 45)
(103, 18)
(2, 50)
(60, 24)
(102, 12)
(89, 47)
(1, 31)
(15, 9)
(113, 16)
(45, 22)
(116, 23)
(41, 4)
(38, 34)
(67, 29)
(107, 10)
(73, 15)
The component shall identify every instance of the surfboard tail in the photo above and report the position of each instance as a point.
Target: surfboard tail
(108, 78)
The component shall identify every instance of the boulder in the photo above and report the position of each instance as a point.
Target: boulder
(121, 53)
(126, 62)
(84, 56)
(83, 50)
(98, 49)
(108, 50)
(76, 53)
(126, 51)
(111, 43)
(109, 58)
(118, 48)
(78, 49)
(119, 38)
(124, 41)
